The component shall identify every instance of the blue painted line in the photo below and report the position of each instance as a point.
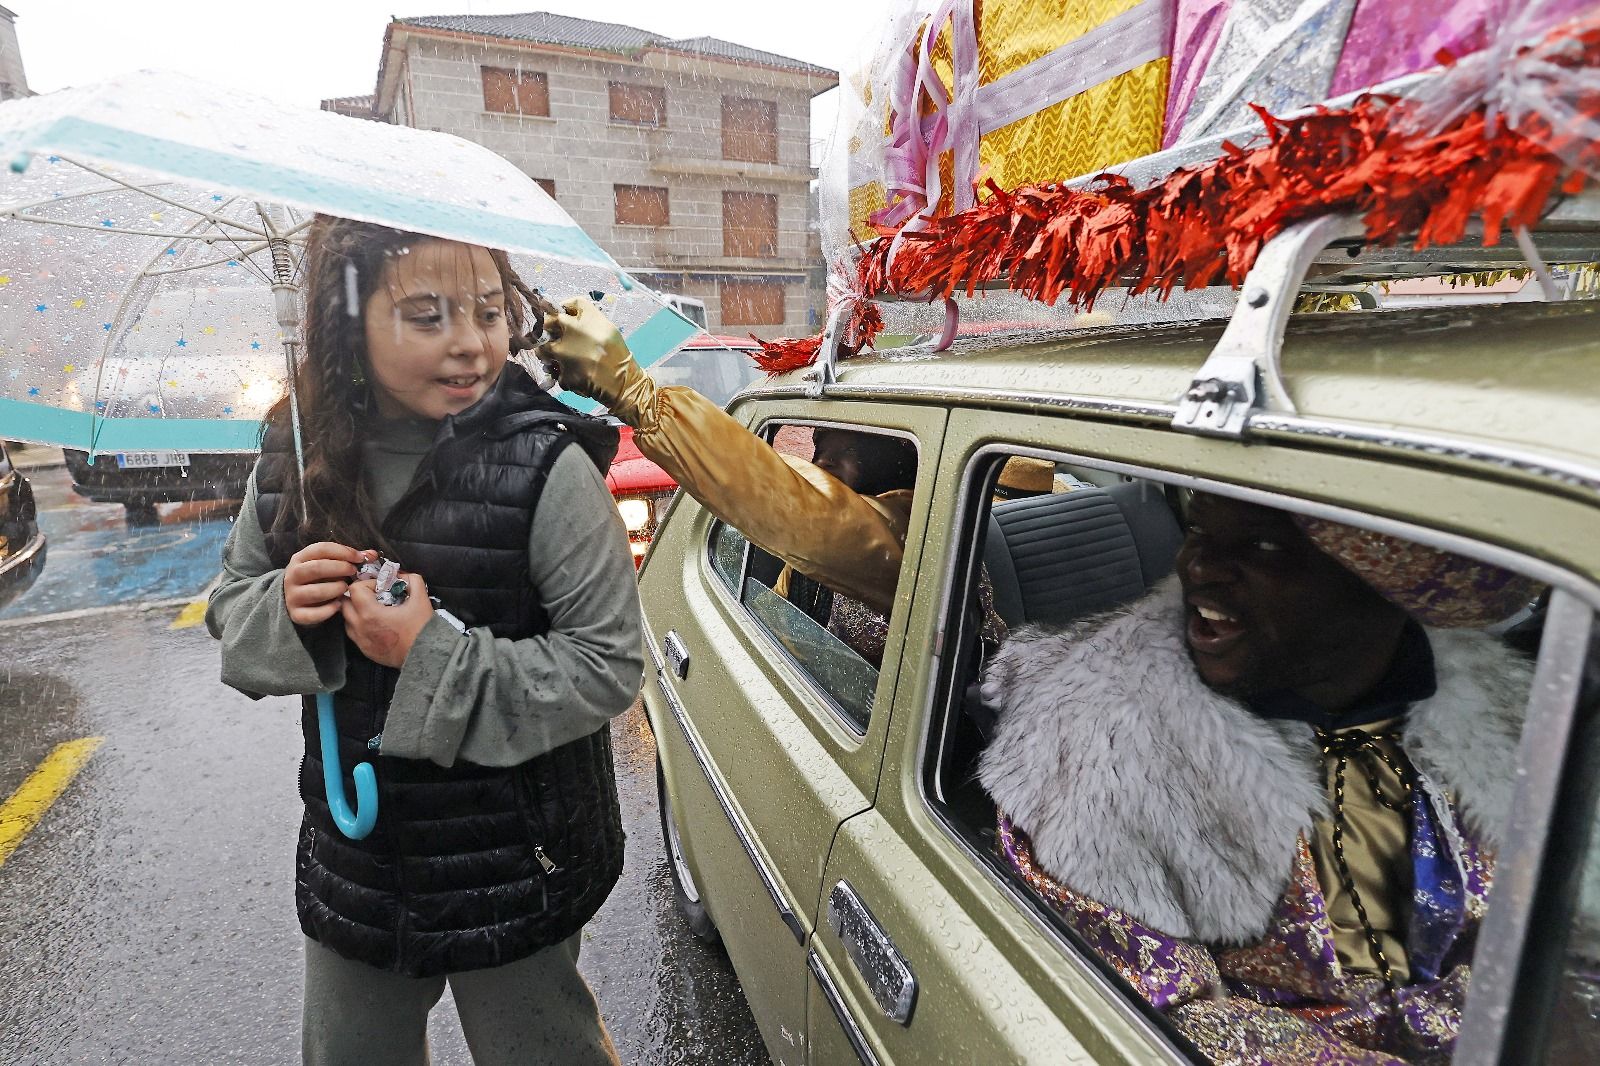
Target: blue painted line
(265, 180)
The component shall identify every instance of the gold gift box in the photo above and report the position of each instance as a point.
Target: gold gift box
(1053, 138)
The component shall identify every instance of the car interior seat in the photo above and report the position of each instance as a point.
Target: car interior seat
(1059, 557)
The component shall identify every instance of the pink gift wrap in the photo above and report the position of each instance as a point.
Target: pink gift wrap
(1197, 26)
(1391, 38)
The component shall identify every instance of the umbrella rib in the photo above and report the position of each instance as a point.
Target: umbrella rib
(64, 197)
(243, 252)
(111, 337)
(21, 217)
(166, 200)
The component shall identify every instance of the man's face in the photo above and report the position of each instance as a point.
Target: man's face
(836, 452)
(1266, 611)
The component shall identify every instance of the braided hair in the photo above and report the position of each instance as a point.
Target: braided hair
(345, 263)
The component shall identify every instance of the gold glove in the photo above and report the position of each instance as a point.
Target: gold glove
(591, 358)
(793, 509)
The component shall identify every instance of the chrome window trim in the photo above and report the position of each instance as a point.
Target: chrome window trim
(976, 397)
(858, 735)
(1577, 588)
(1542, 753)
(847, 1022)
(769, 880)
(1541, 467)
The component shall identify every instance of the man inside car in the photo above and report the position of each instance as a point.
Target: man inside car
(1268, 793)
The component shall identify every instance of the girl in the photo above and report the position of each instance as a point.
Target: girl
(498, 834)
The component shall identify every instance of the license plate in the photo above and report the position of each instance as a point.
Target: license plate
(145, 460)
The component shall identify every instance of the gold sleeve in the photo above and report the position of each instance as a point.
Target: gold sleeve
(781, 503)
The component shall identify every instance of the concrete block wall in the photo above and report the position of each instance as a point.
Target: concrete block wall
(586, 154)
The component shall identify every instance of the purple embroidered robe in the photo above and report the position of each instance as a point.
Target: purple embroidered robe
(1285, 1000)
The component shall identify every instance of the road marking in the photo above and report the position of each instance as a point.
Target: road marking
(93, 612)
(194, 612)
(28, 804)
(192, 615)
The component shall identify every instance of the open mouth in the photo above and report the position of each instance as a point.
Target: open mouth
(462, 385)
(1211, 630)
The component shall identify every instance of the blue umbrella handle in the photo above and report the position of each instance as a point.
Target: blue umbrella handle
(354, 824)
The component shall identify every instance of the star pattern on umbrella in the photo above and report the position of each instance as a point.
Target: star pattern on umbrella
(70, 368)
(106, 326)
(155, 408)
(209, 329)
(5, 279)
(182, 343)
(41, 307)
(106, 222)
(33, 390)
(255, 346)
(227, 410)
(79, 302)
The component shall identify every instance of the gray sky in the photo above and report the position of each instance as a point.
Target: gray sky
(300, 51)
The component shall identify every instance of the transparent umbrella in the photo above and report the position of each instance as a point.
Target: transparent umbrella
(151, 230)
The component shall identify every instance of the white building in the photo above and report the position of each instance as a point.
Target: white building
(688, 160)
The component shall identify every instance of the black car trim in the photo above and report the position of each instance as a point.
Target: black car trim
(847, 1022)
(769, 881)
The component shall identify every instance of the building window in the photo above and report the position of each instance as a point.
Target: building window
(638, 105)
(749, 225)
(548, 185)
(516, 92)
(749, 129)
(752, 303)
(641, 205)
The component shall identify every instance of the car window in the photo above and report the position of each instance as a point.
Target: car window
(836, 640)
(1233, 755)
(727, 555)
(715, 373)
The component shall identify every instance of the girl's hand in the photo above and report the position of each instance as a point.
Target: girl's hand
(385, 634)
(316, 578)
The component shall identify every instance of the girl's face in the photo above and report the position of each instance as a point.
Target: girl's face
(437, 336)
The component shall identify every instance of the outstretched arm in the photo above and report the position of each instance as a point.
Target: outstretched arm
(789, 507)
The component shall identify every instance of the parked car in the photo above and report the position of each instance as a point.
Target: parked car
(819, 800)
(141, 480)
(688, 306)
(22, 545)
(717, 368)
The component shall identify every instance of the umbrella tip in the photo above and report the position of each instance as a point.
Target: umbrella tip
(20, 161)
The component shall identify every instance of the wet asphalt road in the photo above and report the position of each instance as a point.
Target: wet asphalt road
(149, 917)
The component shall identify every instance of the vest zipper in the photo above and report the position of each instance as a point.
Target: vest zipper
(374, 726)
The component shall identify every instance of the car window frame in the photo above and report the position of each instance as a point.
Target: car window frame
(765, 428)
(1505, 930)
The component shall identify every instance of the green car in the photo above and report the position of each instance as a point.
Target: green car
(823, 785)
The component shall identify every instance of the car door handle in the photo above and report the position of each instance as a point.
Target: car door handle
(886, 973)
(677, 653)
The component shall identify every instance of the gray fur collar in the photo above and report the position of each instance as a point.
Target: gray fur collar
(1145, 790)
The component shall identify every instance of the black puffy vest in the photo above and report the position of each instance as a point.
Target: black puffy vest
(470, 866)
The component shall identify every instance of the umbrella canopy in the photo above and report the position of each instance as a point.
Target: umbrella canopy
(145, 221)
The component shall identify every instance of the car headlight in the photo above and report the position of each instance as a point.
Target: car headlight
(635, 514)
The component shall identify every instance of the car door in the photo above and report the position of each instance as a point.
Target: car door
(929, 947)
(769, 734)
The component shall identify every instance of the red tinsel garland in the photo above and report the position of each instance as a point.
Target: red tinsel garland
(1207, 224)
